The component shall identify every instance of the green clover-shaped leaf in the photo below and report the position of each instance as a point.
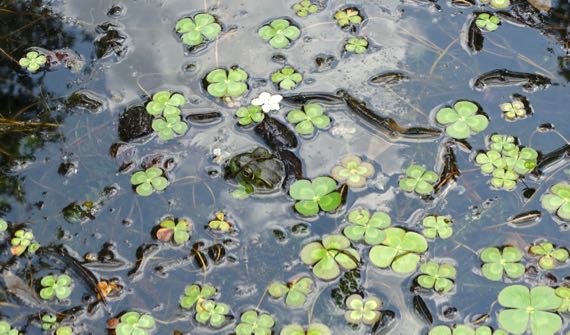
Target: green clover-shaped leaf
(462, 120)
(312, 116)
(418, 180)
(400, 250)
(230, 83)
(149, 181)
(287, 78)
(357, 45)
(437, 226)
(558, 200)
(370, 228)
(194, 31)
(280, 33)
(497, 262)
(329, 255)
(439, 277)
(352, 171)
(195, 293)
(313, 196)
(529, 309)
(361, 310)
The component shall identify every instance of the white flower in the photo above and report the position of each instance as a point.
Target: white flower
(267, 102)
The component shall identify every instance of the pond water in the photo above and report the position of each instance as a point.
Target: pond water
(67, 157)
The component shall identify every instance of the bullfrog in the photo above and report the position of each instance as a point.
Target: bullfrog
(259, 171)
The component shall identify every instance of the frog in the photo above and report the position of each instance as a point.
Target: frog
(258, 170)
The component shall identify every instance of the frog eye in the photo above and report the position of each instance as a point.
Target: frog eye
(247, 172)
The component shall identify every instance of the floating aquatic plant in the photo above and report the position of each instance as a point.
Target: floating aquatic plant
(195, 31)
(558, 200)
(362, 310)
(490, 161)
(502, 143)
(295, 292)
(250, 114)
(465, 330)
(23, 240)
(267, 101)
(506, 179)
(227, 83)
(49, 321)
(220, 223)
(439, 277)
(304, 8)
(497, 4)
(329, 255)
(521, 160)
(497, 262)
(418, 180)
(312, 329)
(33, 61)
(349, 16)
(169, 126)
(399, 250)
(357, 45)
(532, 309)
(6, 329)
(462, 120)
(134, 323)
(212, 313)
(166, 104)
(488, 22)
(254, 323)
(370, 228)
(149, 181)
(195, 294)
(179, 231)
(310, 117)
(549, 256)
(513, 110)
(316, 195)
(64, 330)
(59, 287)
(280, 33)
(287, 78)
(3, 225)
(564, 294)
(352, 171)
(437, 226)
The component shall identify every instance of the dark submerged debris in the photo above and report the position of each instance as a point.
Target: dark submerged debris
(387, 126)
(506, 78)
(293, 167)
(111, 40)
(385, 324)
(552, 159)
(525, 219)
(472, 37)
(134, 123)
(275, 134)
(201, 118)
(450, 171)
(143, 253)
(304, 98)
(85, 100)
(422, 309)
(389, 78)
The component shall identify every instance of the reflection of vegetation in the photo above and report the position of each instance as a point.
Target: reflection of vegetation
(27, 121)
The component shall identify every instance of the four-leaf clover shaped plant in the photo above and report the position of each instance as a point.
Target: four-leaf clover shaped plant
(56, 286)
(329, 255)
(194, 31)
(149, 181)
(364, 226)
(310, 117)
(462, 120)
(280, 33)
(316, 195)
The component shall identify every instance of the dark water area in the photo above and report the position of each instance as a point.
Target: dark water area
(73, 133)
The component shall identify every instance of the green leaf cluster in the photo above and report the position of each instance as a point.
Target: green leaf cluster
(370, 228)
(362, 310)
(178, 230)
(149, 181)
(195, 31)
(280, 33)
(308, 118)
(549, 256)
(227, 83)
(498, 263)
(558, 200)
(287, 78)
(463, 120)
(400, 250)
(56, 286)
(439, 277)
(304, 8)
(352, 171)
(316, 195)
(33, 61)
(418, 180)
(135, 323)
(295, 291)
(329, 255)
